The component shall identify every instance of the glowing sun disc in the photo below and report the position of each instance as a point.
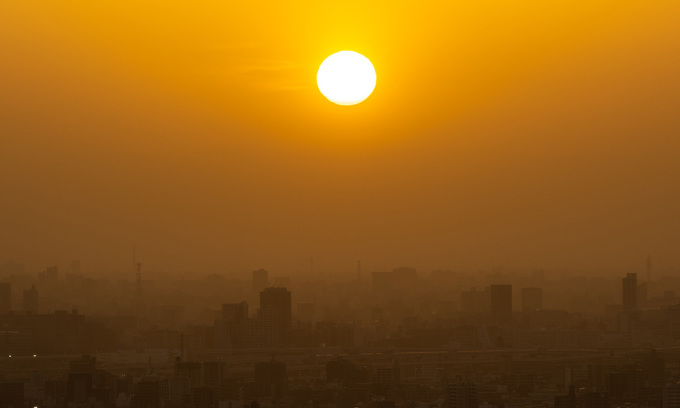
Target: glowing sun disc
(346, 78)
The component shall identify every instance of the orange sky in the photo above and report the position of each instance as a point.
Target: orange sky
(537, 134)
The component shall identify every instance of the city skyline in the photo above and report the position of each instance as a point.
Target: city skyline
(304, 204)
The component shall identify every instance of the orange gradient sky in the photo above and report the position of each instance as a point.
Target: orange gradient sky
(538, 134)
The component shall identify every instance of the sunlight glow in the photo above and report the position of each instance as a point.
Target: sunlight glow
(346, 78)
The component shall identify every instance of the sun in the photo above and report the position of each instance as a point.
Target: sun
(346, 78)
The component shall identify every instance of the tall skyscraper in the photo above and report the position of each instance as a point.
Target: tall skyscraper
(279, 300)
(80, 381)
(234, 326)
(5, 297)
(630, 292)
(532, 299)
(501, 303)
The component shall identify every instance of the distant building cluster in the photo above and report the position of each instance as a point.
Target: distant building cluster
(396, 340)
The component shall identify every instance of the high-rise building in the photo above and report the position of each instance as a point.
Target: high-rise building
(233, 328)
(461, 395)
(630, 292)
(501, 303)
(260, 280)
(532, 299)
(279, 300)
(80, 381)
(5, 297)
(31, 300)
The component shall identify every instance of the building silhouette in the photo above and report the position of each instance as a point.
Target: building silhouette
(630, 292)
(277, 300)
(80, 381)
(233, 329)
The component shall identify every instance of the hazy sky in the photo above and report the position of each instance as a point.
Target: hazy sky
(535, 133)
